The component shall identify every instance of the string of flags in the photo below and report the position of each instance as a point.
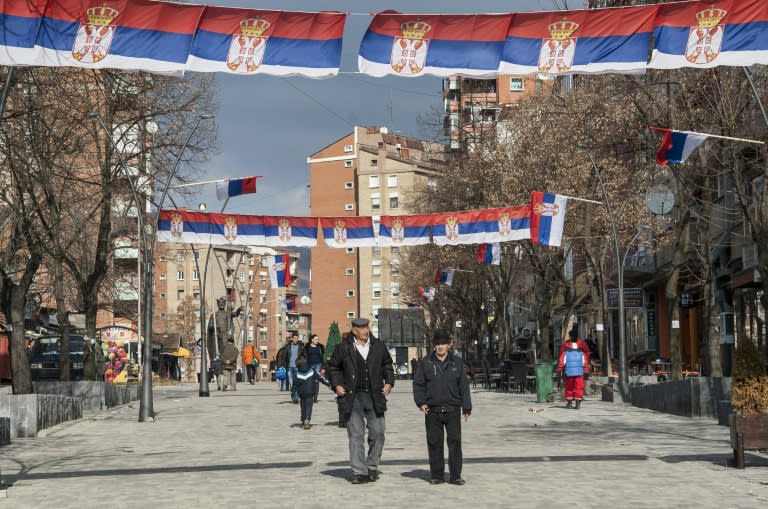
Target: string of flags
(173, 38)
(541, 222)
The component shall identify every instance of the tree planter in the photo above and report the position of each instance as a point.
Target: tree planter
(748, 432)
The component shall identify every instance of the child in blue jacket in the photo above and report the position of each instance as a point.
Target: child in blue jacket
(306, 385)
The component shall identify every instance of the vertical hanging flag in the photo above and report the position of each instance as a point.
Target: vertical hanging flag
(249, 42)
(236, 187)
(280, 271)
(444, 277)
(547, 218)
(676, 146)
(489, 254)
(427, 293)
(289, 303)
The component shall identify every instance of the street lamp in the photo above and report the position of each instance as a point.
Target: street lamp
(146, 411)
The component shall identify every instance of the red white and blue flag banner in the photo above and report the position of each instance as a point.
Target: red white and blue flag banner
(19, 24)
(280, 270)
(547, 218)
(441, 45)
(184, 226)
(710, 34)
(489, 254)
(445, 277)
(237, 230)
(285, 231)
(676, 146)
(427, 293)
(348, 231)
(504, 224)
(289, 303)
(586, 41)
(120, 34)
(236, 187)
(248, 41)
(411, 230)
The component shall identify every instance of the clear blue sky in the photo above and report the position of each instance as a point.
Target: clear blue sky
(269, 126)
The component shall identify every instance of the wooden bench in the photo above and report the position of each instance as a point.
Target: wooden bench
(748, 432)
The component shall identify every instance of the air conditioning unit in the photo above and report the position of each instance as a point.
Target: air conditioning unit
(398, 146)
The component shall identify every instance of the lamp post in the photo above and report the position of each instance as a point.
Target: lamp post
(146, 410)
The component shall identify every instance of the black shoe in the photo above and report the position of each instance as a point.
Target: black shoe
(433, 482)
(360, 479)
(578, 404)
(373, 475)
(457, 482)
(569, 404)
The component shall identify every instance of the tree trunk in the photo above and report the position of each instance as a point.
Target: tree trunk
(713, 337)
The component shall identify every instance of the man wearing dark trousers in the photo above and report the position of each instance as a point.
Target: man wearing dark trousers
(441, 391)
(362, 376)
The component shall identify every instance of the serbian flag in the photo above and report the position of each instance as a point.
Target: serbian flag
(427, 293)
(442, 45)
(184, 226)
(19, 26)
(584, 41)
(504, 224)
(280, 270)
(711, 33)
(676, 146)
(444, 277)
(348, 231)
(489, 254)
(289, 303)
(249, 42)
(454, 228)
(411, 230)
(290, 231)
(236, 187)
(120, 34)
(237, 230)
(547, 218)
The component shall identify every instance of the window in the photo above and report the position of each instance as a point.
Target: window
(162, 315)
(195, 275)
(180, 275)
(394, 250)
(350, 314)
(394, 289)
(350, 250)
(394, 201)
(375, 250)
(349, 185)
(162, 277)
(432, 183)
(162, 258)
(241, 277)
(392, 181)
(373, 181)
(348, 148)
(376, 267)
(376, 290)
(180, 257)
(197, 255)
(374, 162)
(375, 201)
(162, 296)
(349, 206)
(348, 163)
(196, 295)
(350, 293)
(516, 84)
(350, 271)
(180, 295)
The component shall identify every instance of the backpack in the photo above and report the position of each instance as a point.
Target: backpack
(280, 373)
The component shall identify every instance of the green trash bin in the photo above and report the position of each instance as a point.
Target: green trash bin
(543, 382)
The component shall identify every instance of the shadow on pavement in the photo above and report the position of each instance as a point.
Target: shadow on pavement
(339, 473)
(518, 459)
(423, 475)
(750, 460)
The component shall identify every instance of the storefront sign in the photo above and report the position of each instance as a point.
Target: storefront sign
(633, 297)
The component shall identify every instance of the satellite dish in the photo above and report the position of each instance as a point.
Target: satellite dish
(660, 200)
(305, 299)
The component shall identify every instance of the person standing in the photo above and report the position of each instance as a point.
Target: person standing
(306, 387)
(295, 350)
(315, 357)
(251, 361)
(281, 361)
(229, 363)
(574, 363)
(441, 391)
(362, 376)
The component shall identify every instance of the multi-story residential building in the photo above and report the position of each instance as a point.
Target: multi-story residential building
(368, 172)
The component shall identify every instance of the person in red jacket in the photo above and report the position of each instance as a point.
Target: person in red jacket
(574, 364)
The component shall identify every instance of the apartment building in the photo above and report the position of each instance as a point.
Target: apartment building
(368, 172)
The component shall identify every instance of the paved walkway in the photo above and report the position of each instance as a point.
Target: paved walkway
(246, 449)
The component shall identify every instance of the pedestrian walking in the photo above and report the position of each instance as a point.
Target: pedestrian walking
(362, 376)
(315, 357)
(441, 391)
(574, 364)
(251, 359)
(307, 384)
(229, 356)
(281, 360)
(295, 350)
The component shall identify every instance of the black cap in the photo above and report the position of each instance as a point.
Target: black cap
(230, 340)
(572, 334)
(360, 322)
(441, 337)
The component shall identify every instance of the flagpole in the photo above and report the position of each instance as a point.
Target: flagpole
(582, 199)
(710, 135)
(212, 182)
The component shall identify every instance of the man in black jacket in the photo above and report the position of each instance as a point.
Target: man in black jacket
(361, 374)
(441, 391)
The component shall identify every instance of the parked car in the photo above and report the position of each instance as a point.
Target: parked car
(44, 357)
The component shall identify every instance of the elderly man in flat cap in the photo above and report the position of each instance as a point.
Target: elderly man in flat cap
(441, 391)
(361, 373)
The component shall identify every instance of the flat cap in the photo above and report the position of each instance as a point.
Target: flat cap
(441, 337)
(360, 322)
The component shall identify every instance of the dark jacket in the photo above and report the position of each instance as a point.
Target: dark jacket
(442, 384)
(307, 380)
(283, 357)
(342, 370)
(229, 356)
